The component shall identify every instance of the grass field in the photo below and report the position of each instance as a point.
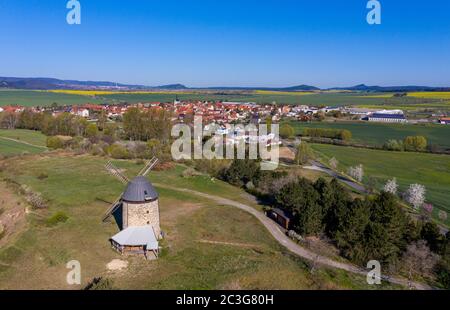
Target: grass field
(430, 170)
(73, 97)
(29, 98)
(253, 260)
(18, 142)
(379, 133)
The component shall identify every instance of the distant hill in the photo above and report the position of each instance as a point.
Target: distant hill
(292, 88)
(51, 83)
(363, 87)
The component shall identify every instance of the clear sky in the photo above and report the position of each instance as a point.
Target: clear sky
(229, 43)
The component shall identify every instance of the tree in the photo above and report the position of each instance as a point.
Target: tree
(301, 199)
(391, 186)
(91, 131)
(242, 171)
(345, 135)
(356, 172)
(418, 260)
(102, 120)
(304, 154)
(286, 131)
(415, 143)
(333, 163)
(432, 235)
(416, 195)
(394, 145)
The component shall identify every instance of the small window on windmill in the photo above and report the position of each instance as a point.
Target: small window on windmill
(147, 196)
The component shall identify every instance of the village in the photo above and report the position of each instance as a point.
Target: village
(232, 112)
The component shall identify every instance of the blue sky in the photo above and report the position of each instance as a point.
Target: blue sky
(229, 43)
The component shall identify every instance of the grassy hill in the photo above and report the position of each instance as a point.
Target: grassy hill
(207, 246)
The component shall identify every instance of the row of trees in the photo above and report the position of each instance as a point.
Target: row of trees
(340, 134)
(411, 144)
(137, 125)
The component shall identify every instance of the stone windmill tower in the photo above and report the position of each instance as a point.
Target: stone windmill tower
(139, 202)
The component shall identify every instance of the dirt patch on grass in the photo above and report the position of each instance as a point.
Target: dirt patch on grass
(287, 154)
(12, 215)
(117, 265)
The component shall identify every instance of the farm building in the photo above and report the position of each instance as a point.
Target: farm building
(283, 218)
(386, 118)
(445, 121)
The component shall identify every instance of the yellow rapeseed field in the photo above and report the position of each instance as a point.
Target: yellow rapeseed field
(108, 92)
(431, 95)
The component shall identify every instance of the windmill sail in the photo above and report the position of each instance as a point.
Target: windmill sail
(115, 172)
(150, 165)
(116, 205)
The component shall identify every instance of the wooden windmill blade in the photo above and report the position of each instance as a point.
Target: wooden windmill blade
(116, 173)
(149, 166)
(112, 209)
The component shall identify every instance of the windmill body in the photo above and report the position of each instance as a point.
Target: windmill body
(139, 207)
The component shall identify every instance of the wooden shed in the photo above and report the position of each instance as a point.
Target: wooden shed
(282, 217)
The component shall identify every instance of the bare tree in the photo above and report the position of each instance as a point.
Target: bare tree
(356, 172)
(391, 186)
(419, 260)
(416, 195)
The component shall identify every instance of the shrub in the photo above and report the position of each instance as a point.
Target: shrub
(286, 131)
(55, 143)
(415, 143)
(98, 284)
(42, 176)
(394, 145)
(58, 217)
(189, 173)
(117, 151)
(33, 198)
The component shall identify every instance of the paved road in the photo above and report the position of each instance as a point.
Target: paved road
(317, 166)
(320, 167)
(295, 248)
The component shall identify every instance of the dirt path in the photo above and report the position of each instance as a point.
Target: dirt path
(295, 248)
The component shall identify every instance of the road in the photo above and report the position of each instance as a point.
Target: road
(317, 166)
(292, 246)
(320, 167)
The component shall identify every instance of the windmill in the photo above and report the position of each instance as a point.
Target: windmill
(139, 201)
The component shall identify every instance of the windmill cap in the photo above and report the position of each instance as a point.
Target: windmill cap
(140, 190)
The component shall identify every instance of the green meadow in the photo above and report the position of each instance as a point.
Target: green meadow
(19, 142)
(30, 98)
(378, 133)
(207, 246)
(430, 170)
